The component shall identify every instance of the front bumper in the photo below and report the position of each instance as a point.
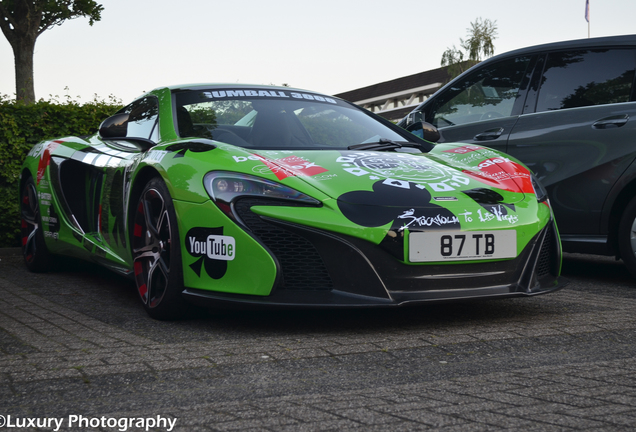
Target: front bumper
(320, 269)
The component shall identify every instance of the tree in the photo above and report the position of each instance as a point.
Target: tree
(22, 21)
(481, 35)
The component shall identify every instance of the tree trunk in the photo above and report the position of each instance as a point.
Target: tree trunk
(23, 49)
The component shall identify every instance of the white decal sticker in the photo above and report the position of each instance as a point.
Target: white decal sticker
(467, 216)
(155, 155)
(462, 180)
(246, 158)
(493, 161)
(438, 220)
(441, 187)
(215, 247)
(397, 183)
(344, 159)
(497, 213)
(37, 150)
(220, 94)
(323, 177)
(356, 171)
(404, 168)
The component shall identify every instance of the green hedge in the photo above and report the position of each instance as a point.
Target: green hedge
(22, 126)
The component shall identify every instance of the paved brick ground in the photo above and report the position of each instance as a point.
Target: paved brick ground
(76, 342)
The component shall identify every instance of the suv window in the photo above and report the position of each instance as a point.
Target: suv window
(489, 92)
(584, 78)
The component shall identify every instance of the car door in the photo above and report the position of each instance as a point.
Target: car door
(483, 107)
(580, 134)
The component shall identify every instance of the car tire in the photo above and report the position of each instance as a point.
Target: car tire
(36, 256)
(627, 236)
(157, 254)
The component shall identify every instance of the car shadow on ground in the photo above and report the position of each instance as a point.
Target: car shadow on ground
(595, 268)
(111, 298)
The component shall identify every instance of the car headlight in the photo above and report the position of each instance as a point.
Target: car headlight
(225, 187)
(539, 190)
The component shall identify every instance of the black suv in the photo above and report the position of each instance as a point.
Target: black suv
(568, 110)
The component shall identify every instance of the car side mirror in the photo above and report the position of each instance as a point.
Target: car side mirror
(425, 131)
(115, 126)
(414, 117)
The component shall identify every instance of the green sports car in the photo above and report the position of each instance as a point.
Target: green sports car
(272, 196)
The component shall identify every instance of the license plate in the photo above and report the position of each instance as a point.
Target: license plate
(456, 246)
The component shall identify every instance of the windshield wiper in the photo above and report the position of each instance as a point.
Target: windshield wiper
(385, 144)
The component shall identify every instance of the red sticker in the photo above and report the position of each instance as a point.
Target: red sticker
(291, 166)
(504, 174)
(46, 159)
(463, 149)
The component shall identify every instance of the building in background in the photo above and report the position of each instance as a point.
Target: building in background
(396, 98)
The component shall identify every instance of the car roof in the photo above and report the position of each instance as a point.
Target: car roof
(613, 41)
(203, 86)
(616, 41)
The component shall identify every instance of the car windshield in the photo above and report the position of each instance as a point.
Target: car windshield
(276, 119)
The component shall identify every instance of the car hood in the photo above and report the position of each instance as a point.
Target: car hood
(450, 173)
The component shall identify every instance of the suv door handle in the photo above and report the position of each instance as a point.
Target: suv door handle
(611, 122)
(490, 134)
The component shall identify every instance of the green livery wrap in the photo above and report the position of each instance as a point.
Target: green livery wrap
(271, 196)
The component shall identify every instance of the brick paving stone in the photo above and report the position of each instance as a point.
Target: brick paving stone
(44, 375)
(569, 421)
(538, 407)
(238, 359)
(423, 404)
(619, 398)
(390, 345)
(491, 406)
(448, 339)
(596, 392)
(498, 420)
(351, 349)
(327, 425)
(192, 428)
(179, 364)
(366, 416)
(431, 419)
(115, 369)
(601, 410)
(300, 353)
(617, 421)
(307, 414)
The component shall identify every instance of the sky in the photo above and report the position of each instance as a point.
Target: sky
(328, 46)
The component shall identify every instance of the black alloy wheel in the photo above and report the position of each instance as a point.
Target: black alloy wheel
(36, 255)
(156, 253)
(627, 236)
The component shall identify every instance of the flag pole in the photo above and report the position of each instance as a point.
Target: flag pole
(587, 16)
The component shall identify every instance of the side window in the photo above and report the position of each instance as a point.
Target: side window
(584, 78)
(143, 118)
(489, 92)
